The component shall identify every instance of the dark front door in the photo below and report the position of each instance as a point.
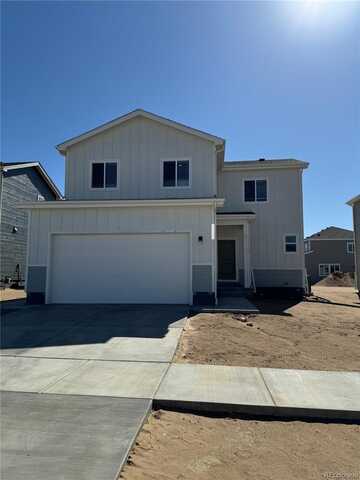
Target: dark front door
(226, 260)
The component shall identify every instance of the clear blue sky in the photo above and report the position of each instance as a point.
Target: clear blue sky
(276, 79)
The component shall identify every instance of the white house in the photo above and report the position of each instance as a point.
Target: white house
(153, 214)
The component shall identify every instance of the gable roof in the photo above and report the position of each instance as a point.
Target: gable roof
(353, 200)
(39, 168)
(332, 233)
(62, 147)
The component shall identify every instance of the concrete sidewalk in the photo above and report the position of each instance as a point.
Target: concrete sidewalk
(261, 391)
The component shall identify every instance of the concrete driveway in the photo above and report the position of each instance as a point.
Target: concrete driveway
(97, 367)
(102, 332)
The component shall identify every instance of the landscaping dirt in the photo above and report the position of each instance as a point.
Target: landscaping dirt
(322, 333)
(7, 294)
(184, 446)
(338, 279)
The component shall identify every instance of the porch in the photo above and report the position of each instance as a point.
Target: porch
(234, 266)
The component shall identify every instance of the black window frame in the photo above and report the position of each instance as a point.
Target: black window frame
(176, 162)
(105, 184)
(253, 192)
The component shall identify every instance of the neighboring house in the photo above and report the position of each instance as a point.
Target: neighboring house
(154, 215)
(355, 204)
(328, 251)
(19, 183)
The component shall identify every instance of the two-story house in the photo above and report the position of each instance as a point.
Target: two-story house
(19, 183)
(355, 204)
(328, 251)
(153, 214)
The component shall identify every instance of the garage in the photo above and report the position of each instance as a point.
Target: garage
(120, 268)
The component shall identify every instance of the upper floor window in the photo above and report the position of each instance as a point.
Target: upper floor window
(176, 173)
(104, 174)
(307, 246)
(290, 243)
(255, 191)
(350, 246)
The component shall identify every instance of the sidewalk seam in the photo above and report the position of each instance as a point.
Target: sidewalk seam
(67, 373)
(267, 388)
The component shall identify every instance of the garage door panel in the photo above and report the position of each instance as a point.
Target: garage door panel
(151, 268)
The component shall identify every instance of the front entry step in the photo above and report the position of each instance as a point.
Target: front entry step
(231, 289)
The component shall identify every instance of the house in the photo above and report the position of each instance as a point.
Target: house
(355, 204)
(328, 251)
(19, 182)
(153, 214)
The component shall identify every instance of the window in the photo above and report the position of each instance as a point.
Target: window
(290, 244)
(326, 268)
(255, 190)
(104, 175)
(176, 173)
(350, 246)
(307, 246)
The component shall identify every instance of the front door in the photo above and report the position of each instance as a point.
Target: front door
(226, 260)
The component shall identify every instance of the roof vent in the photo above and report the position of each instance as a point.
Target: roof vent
(261, 159)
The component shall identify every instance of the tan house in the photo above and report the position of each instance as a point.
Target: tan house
(328, 251)
(153, 214)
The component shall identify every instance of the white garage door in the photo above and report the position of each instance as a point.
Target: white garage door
(146, 268)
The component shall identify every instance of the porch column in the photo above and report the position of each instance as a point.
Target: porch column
(247, 259)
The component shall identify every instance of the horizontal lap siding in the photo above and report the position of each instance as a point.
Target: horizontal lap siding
(196, 220)
(18, 186)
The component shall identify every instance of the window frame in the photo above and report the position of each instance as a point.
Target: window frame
(256, 179)
(307, 250)
(352, 243)
(175, 159)
(104, 162)
(296, 243)
(328, 265)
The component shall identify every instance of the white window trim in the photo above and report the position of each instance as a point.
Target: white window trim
(292, 243)
(175, 159)
(350, 242)
(108, 160)
(329, 268)
(307, 250)
(254, 180)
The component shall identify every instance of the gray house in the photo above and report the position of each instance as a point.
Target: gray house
(328, 251)
(355, 204)
(19, 182)
(153, 214)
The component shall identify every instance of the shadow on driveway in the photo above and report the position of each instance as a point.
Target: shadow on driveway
(25, 327)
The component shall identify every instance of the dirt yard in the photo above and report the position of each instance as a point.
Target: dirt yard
(320, 334)
(11, 294)
(184, 446)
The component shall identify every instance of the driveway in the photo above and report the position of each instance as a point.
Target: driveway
(97, 367)
(101, 332)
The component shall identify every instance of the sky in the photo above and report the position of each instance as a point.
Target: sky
(275, 79)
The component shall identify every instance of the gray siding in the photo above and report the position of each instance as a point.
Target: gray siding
(18, 186)
(356, 216)
(139, 145)
(328, 251)
(282, 214)
(202, 278)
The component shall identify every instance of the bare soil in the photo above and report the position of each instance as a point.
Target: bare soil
(184, 446)
(7, 294)
(338, 279)
(322, 333)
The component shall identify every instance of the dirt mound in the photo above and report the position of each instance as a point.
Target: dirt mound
(338, 279)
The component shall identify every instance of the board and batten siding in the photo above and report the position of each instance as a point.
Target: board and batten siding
(282, 214)
(139, 145)
(356, 217)
(195, 220)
